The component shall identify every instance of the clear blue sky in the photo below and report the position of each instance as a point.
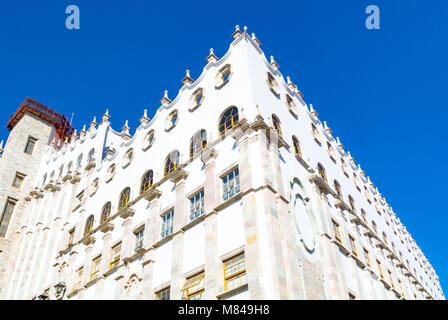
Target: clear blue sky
(383, 92)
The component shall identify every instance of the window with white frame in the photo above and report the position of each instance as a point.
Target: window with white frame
(197, 205)
(167, 223)
(231, 184)
(139, 239)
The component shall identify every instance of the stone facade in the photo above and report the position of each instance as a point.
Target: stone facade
(13, 161)
(301, 236)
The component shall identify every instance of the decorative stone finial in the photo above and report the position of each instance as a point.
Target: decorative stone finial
(274, 63)
(327, 129)
(211, 57)
(257, 112)
(350, 158)
(93, 123)
(256, 39)
(340, 145)
(296, 90)
(245, 29)
(106, 116)
(242, 114)
(83, 131)
(290, 84)
(361, 171)
(1, 146)
(165, 100)
(237, 32)
(187, 79)
(125, 131)
(144, 120)
(75, 135)
(313, 112)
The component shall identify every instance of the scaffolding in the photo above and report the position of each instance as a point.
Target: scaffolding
(61, 124)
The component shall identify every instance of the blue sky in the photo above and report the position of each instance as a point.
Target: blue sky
(381, 91)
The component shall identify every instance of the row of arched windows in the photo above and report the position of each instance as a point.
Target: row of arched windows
(228, 120)
(106, 210)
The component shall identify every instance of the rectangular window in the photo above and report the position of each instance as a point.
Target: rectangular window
(80, 195)
(391, 279)
(366, 253)
(30, 145)
(197, 205)
(401, 287)
(71, 236)
(167, 223)
(336, 231)
(163, 294)
(115, 256)
(78, 279)
(353, 245)
(18, 180)
(380, 269)
(193, 287)
(6, 216)
(139, 239)
(95, 267)
(234, 272)
(231, 184)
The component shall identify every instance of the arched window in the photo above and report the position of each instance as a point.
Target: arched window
(296, 145)
(363, 215)
(61, 170)
(89, 224)
(228, 120)
(337, 187)
(385, 238)
(90, 155)
(78, 162)
(374, 227)
(124, 198)
(352, 203)
(105, 212)
(331, 152)
(146, 182)
(276, 125)
(198, 142)
(322, 173)
(69, 167)
(171, 162)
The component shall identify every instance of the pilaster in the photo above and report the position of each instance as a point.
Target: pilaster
(180, 218)
(213, 271)
(148, 273)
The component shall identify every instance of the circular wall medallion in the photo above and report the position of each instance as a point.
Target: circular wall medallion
(303, 225)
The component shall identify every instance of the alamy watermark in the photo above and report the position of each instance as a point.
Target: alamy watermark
(73, 20)
(373, 20)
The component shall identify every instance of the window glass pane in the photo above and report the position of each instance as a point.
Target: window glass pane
(139, 239)
(6, 216)
(235, 272)
(197, 205)
(231, 184)
(167, 223)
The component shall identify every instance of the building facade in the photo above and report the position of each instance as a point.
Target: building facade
(233, 190)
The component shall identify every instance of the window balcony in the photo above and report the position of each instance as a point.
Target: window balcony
(321, 184)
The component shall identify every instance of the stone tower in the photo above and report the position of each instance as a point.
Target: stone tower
(33, 126)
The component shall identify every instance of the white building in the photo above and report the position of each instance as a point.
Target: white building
(234, 190)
